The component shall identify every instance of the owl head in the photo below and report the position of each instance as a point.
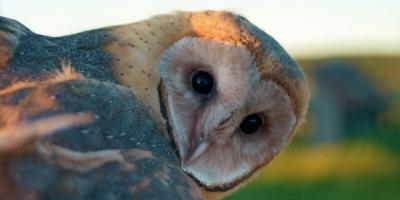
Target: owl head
(230, 94)
(233, 98)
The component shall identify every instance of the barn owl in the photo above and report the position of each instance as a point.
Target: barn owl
(226, 93)
(230, 94)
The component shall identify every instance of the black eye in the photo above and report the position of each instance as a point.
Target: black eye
(251, 124)
(202, 82)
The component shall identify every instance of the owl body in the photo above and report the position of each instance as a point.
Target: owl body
(226, 94)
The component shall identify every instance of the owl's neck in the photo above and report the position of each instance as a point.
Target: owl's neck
(137, 48)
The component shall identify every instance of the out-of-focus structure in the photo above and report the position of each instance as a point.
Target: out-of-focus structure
(346, 102)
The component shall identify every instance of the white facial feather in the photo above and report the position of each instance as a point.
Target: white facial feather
(239, 92)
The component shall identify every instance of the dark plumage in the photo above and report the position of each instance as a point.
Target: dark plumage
(118, 152)
(69, 132)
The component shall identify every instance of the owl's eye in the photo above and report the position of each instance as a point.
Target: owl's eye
(202, 82)
(251, 124)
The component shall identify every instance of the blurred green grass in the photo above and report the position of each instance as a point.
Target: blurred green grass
(365, 188)
(367, 168)
(362, 167)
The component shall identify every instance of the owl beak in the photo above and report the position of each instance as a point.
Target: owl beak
(199, 147)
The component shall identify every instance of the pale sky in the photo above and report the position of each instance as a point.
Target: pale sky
(304, 28)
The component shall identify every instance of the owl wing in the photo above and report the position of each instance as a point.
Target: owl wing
(70, 132)
(27, 55)
(84, 139)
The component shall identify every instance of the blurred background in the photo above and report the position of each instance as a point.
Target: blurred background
(349, 147)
